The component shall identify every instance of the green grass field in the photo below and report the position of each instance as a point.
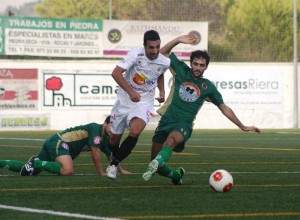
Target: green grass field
(265, 169)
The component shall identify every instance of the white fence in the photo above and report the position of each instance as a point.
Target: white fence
(60, 94)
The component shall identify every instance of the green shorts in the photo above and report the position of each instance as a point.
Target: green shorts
(165, 127)
(52, 148)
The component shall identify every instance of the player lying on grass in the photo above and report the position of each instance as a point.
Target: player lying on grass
(61, 149)
(188, 93)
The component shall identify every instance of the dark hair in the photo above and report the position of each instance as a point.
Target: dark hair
(200, 54)
(107, 120)
(151, 35)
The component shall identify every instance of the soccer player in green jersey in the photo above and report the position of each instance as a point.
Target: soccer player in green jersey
(61, 149)
(188, 93)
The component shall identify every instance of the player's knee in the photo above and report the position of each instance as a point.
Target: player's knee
(137, 125)
(66, 172)
(170, 142)
(135, 132)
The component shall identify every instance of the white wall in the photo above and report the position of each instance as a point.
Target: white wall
(261, 94)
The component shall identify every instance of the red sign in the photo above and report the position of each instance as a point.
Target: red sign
(18, 89)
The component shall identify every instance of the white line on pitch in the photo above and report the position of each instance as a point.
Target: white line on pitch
(278, 172)
(193, 173)
(49, 212)
(22, 139)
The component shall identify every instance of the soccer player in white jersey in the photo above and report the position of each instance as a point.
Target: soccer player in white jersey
(138, 75)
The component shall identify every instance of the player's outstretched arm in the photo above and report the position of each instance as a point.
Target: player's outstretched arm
(185, 39)
(227, 111)
(95, 152)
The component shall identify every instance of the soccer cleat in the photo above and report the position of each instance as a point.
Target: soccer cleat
(177, 179)
(27, 169)
(152, 168)
(111, 172)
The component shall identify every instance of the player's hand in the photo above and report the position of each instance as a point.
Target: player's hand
(251, 128)
(188, 38)
(123, 171)
(102, 174)
(135, 97)
(161, 98)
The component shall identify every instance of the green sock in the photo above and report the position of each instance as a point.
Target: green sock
(12, 165)
(51, 167)
(164, 155)
(166, 171)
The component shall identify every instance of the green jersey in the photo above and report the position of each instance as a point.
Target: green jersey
(187, 94)
(72, 140)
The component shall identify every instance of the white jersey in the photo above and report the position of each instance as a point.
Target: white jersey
(141, 74)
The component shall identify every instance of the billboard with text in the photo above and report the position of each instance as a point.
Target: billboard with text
(50, 37)
(19, 89)
(84, 38)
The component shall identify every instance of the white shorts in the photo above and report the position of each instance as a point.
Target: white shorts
(121, 116)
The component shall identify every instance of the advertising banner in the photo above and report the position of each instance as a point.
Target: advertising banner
(71, 89)
(25, 121)
(76, 89)
(18, 89)
(50, 37)
(120, 36)
(249, 86)
(84, 38)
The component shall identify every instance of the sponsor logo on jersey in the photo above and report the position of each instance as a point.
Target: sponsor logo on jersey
(139, 79)
(97, 140)
(189, 92)
(65, 145)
